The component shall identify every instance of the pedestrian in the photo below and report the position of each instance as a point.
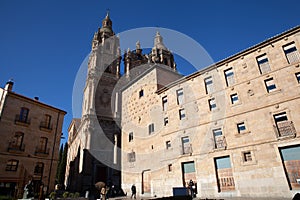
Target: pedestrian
(103, 193)
(191, 188)
(133, 191)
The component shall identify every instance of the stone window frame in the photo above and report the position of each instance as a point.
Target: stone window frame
(253, 160)
(287, 51)
(12, 165)
(263, 62)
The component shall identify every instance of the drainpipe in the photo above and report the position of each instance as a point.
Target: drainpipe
(146, 170)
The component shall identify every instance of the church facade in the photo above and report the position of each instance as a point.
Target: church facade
(233, 128)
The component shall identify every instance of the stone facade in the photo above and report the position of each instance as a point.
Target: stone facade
(233, 127)
(31, 132)
(95, 139)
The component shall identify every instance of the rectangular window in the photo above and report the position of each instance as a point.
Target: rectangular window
(181, 114)
(179, 96)
(270, 85)
(42, 147)
(186, 146)
(141, 93)
(247, 157)
(290, 156)
(130, 136)
(212, 104)
(263, 64)
(224, 174)
(291, 53)
(166, 121)
(208, 85)
(168, 144)
(38, 169)
(46, 123)
(284, 127)
(164, 103)
(12, 165)
(219, 139)
(241, 127)
(151, 128)
(170, 167)
(131, 157)
(298, 77)
(23, 117)
(229, 76)
(234, 98)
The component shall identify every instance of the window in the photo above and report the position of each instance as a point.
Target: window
(12, 165)
(290, 156)
(151, 128)
(291, 53)
(208, 85)
(186, 146)
(234, 98)
(130, 136)
(283, 125)
(181, 114)
(229, 76)
(179, 96)
(46, 123)
(42, 147)
(224, 174)
(131, 157)
(168, 144)
(263, 64)
(270, 85)
(212, 104)
(166, 121)
(247, 157)
(18, 140)
(24, 114)
(298, 77)
(241, 127)
(141, 93)
(219, 138)
(38, 169)
(170, 167)
(165, 103)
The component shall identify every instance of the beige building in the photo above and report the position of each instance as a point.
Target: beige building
(30, 132)
(233, 127)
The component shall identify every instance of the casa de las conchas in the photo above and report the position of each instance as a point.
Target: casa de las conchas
(232, 127)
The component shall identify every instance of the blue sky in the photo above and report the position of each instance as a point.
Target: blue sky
(43, 43)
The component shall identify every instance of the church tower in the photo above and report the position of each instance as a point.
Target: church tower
(99, 133)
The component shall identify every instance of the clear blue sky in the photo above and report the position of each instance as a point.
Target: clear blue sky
(43, 43)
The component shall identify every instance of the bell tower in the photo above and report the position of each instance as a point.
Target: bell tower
(99, 131)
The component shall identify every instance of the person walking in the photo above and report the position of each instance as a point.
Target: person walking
(133, 191)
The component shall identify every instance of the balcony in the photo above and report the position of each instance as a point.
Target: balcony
(45, 126)
(12, 147)
(220, 142)
(41, 152)
(187, 150)
(22, 121)
(285, 129)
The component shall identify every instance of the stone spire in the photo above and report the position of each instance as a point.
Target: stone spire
(158, 42)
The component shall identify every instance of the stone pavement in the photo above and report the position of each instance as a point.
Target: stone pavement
(221, 198)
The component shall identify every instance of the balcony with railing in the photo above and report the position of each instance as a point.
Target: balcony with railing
(45, 126)
(21, 120)
(285, 129)
(41, 151)
(220, 142)
(13, 147)
(187, 150)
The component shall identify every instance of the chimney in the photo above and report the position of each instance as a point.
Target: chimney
(9, 85)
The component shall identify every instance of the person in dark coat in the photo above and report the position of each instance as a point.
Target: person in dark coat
(133, 191)
(296, 197)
